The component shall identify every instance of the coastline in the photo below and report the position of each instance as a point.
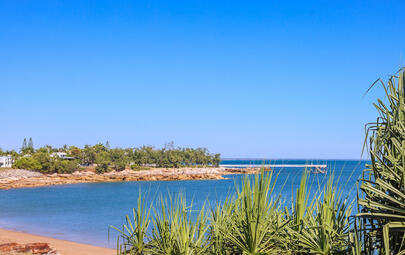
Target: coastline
(63, 247)
(155, 174)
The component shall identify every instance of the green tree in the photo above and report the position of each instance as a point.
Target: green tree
(75, 152)
(49, 148)
(27, 148)
(24, 145)
(99, 148)
(45, 160)
(144, 155)
(31, 144)
(88, 155)
(42, 149)
(216, 159)
(12, 153)
(118, 159)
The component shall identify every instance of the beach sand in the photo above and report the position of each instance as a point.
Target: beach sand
(62, 246)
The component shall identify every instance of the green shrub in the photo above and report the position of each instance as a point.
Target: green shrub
(64, 166)
(135, 167)
(102, 168)
(27, 163)
(119, 166)
(139, 168)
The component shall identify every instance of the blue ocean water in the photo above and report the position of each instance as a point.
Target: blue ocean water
(84, 212)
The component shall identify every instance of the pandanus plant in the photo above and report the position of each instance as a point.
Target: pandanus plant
(382, 215)
(133, 236)
(320, 225)
(251, 222)
(219, 223)
(177, 231)
(257, 222)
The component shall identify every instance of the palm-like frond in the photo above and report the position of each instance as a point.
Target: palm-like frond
(322, 225)
(383, 185)
(256, 221)
(133, 236)
(175, 231)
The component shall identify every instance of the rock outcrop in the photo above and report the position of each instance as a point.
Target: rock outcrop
(27, 249)
(24, 179)
(18, 174)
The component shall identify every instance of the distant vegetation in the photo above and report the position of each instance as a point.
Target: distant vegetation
(256, 221)
(71, 158)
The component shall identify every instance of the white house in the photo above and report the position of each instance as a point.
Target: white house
(6, 161)
(62, 155)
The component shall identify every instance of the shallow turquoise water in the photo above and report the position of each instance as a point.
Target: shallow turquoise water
(84, 212)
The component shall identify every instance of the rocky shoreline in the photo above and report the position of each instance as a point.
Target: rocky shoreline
(19, 178)
(27, 249)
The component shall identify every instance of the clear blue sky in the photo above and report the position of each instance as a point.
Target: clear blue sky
(275, 79)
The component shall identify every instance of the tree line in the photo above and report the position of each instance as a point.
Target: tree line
(48, 159)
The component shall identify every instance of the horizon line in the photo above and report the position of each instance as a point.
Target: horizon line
(294, 159)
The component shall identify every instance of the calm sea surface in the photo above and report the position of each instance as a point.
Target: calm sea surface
(84, 212)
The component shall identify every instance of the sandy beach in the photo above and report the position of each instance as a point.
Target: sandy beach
(61, 246)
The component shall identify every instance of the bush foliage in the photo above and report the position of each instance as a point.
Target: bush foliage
(105, 159)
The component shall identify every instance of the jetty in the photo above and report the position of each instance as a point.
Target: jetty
(275, 165)
(313, 168)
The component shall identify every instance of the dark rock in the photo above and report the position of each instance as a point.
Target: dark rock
(28, 249)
